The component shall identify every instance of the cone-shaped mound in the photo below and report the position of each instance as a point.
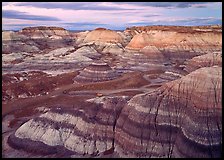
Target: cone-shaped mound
(96, 72)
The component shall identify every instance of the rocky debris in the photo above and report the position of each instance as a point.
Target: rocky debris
(180, 119)
(82, 131)
(96, 72)
(207, 60)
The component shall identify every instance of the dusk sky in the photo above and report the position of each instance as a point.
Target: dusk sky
(110, 15)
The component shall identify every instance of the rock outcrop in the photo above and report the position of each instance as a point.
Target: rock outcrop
(86, 130)
(207, 60)
(180, 119)
(176, 42)
(97, 72)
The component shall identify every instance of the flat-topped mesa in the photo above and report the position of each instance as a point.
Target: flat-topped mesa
(176, 41)
(96, 72)
(206, 60)
(42, 28)
(44, 32)
(103, 35)
(180, 119)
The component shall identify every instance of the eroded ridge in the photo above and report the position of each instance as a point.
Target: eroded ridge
(80, 131)
(177, 120)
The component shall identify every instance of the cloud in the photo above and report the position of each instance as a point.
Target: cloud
(169, 4)
(11, 14)
(200, 21)
(72, 5)
(113, 15)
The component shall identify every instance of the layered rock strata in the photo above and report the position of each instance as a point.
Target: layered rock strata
(97, 72)
(180, 119)
(80, 131)
(176, 120)
(176, 42)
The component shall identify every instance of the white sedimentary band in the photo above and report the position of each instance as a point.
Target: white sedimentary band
(38, 131)
(98, 71)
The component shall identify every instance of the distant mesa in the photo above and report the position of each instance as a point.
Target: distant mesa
(42, 28)
(100, 29)
(44, 32)
(96, 72)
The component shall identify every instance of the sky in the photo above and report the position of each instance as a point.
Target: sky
(110, 15)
